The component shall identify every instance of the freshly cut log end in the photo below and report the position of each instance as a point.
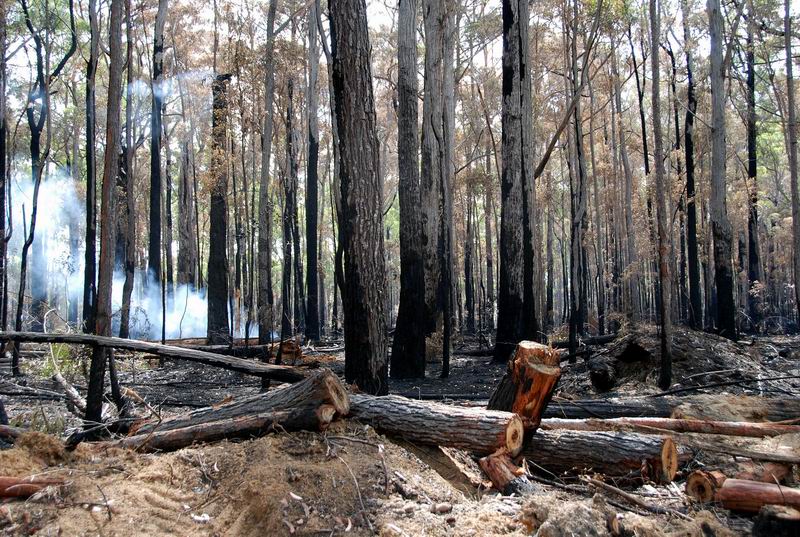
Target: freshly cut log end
(426, 422)
(515, 435)
(669, 460)
(325, 414)
(537, 353)
(336, 394)
(702, 486)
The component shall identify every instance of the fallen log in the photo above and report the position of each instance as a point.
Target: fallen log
(472, 429)
(310, 404)
(22, 487)
(528, 384)
(628, 456)
(739, 494)
(275, 372)
(723, 408)
(642, 425)
(592, 340)
(9, 433)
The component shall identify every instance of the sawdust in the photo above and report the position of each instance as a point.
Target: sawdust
(283, 484)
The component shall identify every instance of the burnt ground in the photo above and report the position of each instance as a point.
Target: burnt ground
(36, 402)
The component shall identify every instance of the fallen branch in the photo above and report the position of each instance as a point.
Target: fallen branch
(275, 372)
(730, 428)
(633, 499)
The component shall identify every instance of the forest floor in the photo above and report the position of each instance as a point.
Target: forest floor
(348, 480)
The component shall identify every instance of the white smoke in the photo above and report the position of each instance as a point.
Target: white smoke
(185, 313)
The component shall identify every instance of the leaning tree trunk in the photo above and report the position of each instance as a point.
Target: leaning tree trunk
(792, 136)
(156, 131)
(511, 325)
(94, 398)
(361, 215)
(720, 225)
(408, 347)
(218, 329)
(665, 373)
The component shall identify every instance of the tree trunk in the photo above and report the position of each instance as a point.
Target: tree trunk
(472, 429)
(792, 137)
(312, 181)
(512, 314)
(695, 301)
(130, 195)
(720, 225)
(266, 301)
(408, 346)
(665, 311)
(94, 398)
(361, 216)
(90, 257)
(187, 243)
(4, 170)
(218, 326)
(753, 246)
(156, 130)
(431, 177)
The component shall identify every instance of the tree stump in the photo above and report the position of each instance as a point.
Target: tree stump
(529, 382)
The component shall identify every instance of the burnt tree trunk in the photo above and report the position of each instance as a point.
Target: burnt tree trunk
(218, 326)
(720, 225)
(156, 131)
(408, 347)
(511, 303)
(312, 181)
(361, 215)
(94, 397)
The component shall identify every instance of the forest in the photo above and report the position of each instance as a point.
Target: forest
(499, 267)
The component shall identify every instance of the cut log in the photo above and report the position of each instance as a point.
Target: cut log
(473, 429)
(310, 404)
(765, 472)
(739, 494)
(506, 476)
(628, 456)
(716, 407)
(645, 425)
(777, 521)
(275, 372)
(22, 487)
(528, 384)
